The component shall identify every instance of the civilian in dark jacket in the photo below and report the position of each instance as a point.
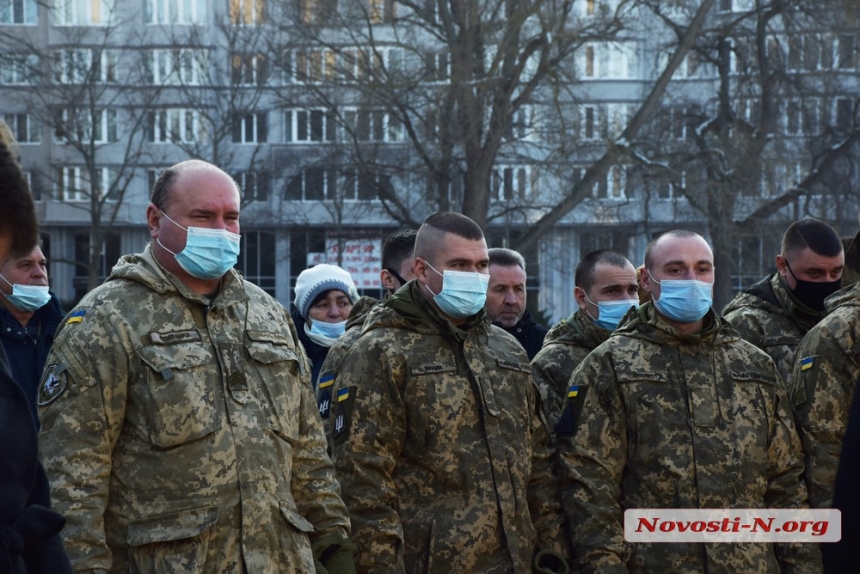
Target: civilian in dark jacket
(29, 317)
(506, 300)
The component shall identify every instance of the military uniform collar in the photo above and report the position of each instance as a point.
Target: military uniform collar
(649, 323)
(789, 302)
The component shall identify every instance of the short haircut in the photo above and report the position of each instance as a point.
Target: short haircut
(585, 270)
(398, 246)
(164, 183)
(506, 258)
(813, 233)
(18, 216)
(432, 231)
(649, 260)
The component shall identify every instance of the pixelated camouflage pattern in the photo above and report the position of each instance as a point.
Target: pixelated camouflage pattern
(821, 393)
(679, 421)
(564, 348)
(188, 439)
(446, 464)
(775, 326)
(339, 348)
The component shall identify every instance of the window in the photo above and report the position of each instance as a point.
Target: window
(438, 66)
(589, 128)
(109, 254)
(309, 126)
(69, 184)
(846, 52)
(362, 63)
(83, 12)
(82, 65)
(618, 116)
(369, 125)
(521, 124)
(247, 69)
(590, 67)
(724, 6)
(253, 185)
(26, 128)
(247, 11)
(380, 11)
(257, 259)
(590, 7)
(18, 12)
(180, 67)
(844, 114)
(83, 126)
(175, 11)
(313, 66)
(513, 182)
(312, 184)
(613, 186)
(316, 11)
(177, 125)
(672, 188)
(17, 69)
(363, 186)
(250, 128)
(622, 60)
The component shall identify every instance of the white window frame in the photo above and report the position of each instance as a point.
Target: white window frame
(28, 15)
(175, 12)
(82, 13)
(15, 69)
(520, 180)
(79, 119)
(182, 67)
(247, 12)
(166, 122)
(255, 63)
(294, 117)
(255, 118)
(592, 123)
(381, 127)
(312, 66)
(329, 177)
(27, 128)
(69, 183)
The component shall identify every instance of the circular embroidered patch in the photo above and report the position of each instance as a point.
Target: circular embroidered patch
(52, 386)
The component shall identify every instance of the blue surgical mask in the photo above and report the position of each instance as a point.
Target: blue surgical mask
(609, 313)
(684, 300)
(330, 330)
(208, 253)
(463, 292)
(27, 297)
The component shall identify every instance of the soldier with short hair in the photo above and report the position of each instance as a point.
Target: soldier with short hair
(443, 456)
(676, 411)
(606, 289)
(775, 313)
(179, 427)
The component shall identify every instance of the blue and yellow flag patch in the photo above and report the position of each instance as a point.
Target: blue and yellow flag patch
(342, 394)
(76, 316)
(806, 363)
(572, 391)
(326, 381)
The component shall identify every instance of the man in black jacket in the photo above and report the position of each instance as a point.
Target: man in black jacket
(506, 300)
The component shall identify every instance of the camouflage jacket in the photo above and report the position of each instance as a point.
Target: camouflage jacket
(766, 316)
(851, 271)
(821, 389)
(660, 419)
(339, 349)
(564, 347)
(181, 434)
(443, 456)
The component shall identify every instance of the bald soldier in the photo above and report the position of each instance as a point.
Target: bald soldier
(606, 289)
(179, 427)
(675, 410)
(437, 436)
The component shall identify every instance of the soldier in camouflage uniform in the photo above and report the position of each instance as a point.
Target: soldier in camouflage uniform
(775, 313)
(674, 410)
(437, 436)
(397, 255)
(179, 428)
(821, 388)
(602, 276)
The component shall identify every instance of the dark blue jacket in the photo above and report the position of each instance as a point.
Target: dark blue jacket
(316, 352)
(529, 333)
(27, 348)
(29, 531)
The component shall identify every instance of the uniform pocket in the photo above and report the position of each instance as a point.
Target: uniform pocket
(175, 542)
(178, 395)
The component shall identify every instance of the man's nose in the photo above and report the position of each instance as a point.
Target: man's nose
(510, 298)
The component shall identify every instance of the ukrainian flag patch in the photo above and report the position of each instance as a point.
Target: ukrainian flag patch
(806, 363)
(342, 394)
(572, 391)
(326, 381)
(77, 316)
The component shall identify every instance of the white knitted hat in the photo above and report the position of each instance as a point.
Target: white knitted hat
(319, 279)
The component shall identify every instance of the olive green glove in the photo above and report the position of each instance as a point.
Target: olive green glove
(550, 562)
(333, 555)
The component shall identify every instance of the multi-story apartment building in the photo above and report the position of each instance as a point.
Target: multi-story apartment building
(344, 120)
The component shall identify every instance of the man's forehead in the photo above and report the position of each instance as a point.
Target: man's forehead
(510, 273)
(807, 258)
(454, 247)
(611, 274)
(682, 251)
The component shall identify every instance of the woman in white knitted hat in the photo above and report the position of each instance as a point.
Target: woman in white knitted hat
(325, 295)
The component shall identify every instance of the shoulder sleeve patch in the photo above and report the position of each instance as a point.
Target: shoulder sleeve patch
(54, 383)
(326, 383)
(76, 316)
(343, 404)
(572, 411)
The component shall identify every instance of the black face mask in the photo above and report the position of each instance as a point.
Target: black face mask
(812, 294)
(396, 276)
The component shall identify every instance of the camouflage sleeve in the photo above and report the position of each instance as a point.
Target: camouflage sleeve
(592, 456)
(83, 396)
(785, 486)
(748, 325)
(822, 385)
(367, 427)
(314, 485)
(551, 390)
(543, 491)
